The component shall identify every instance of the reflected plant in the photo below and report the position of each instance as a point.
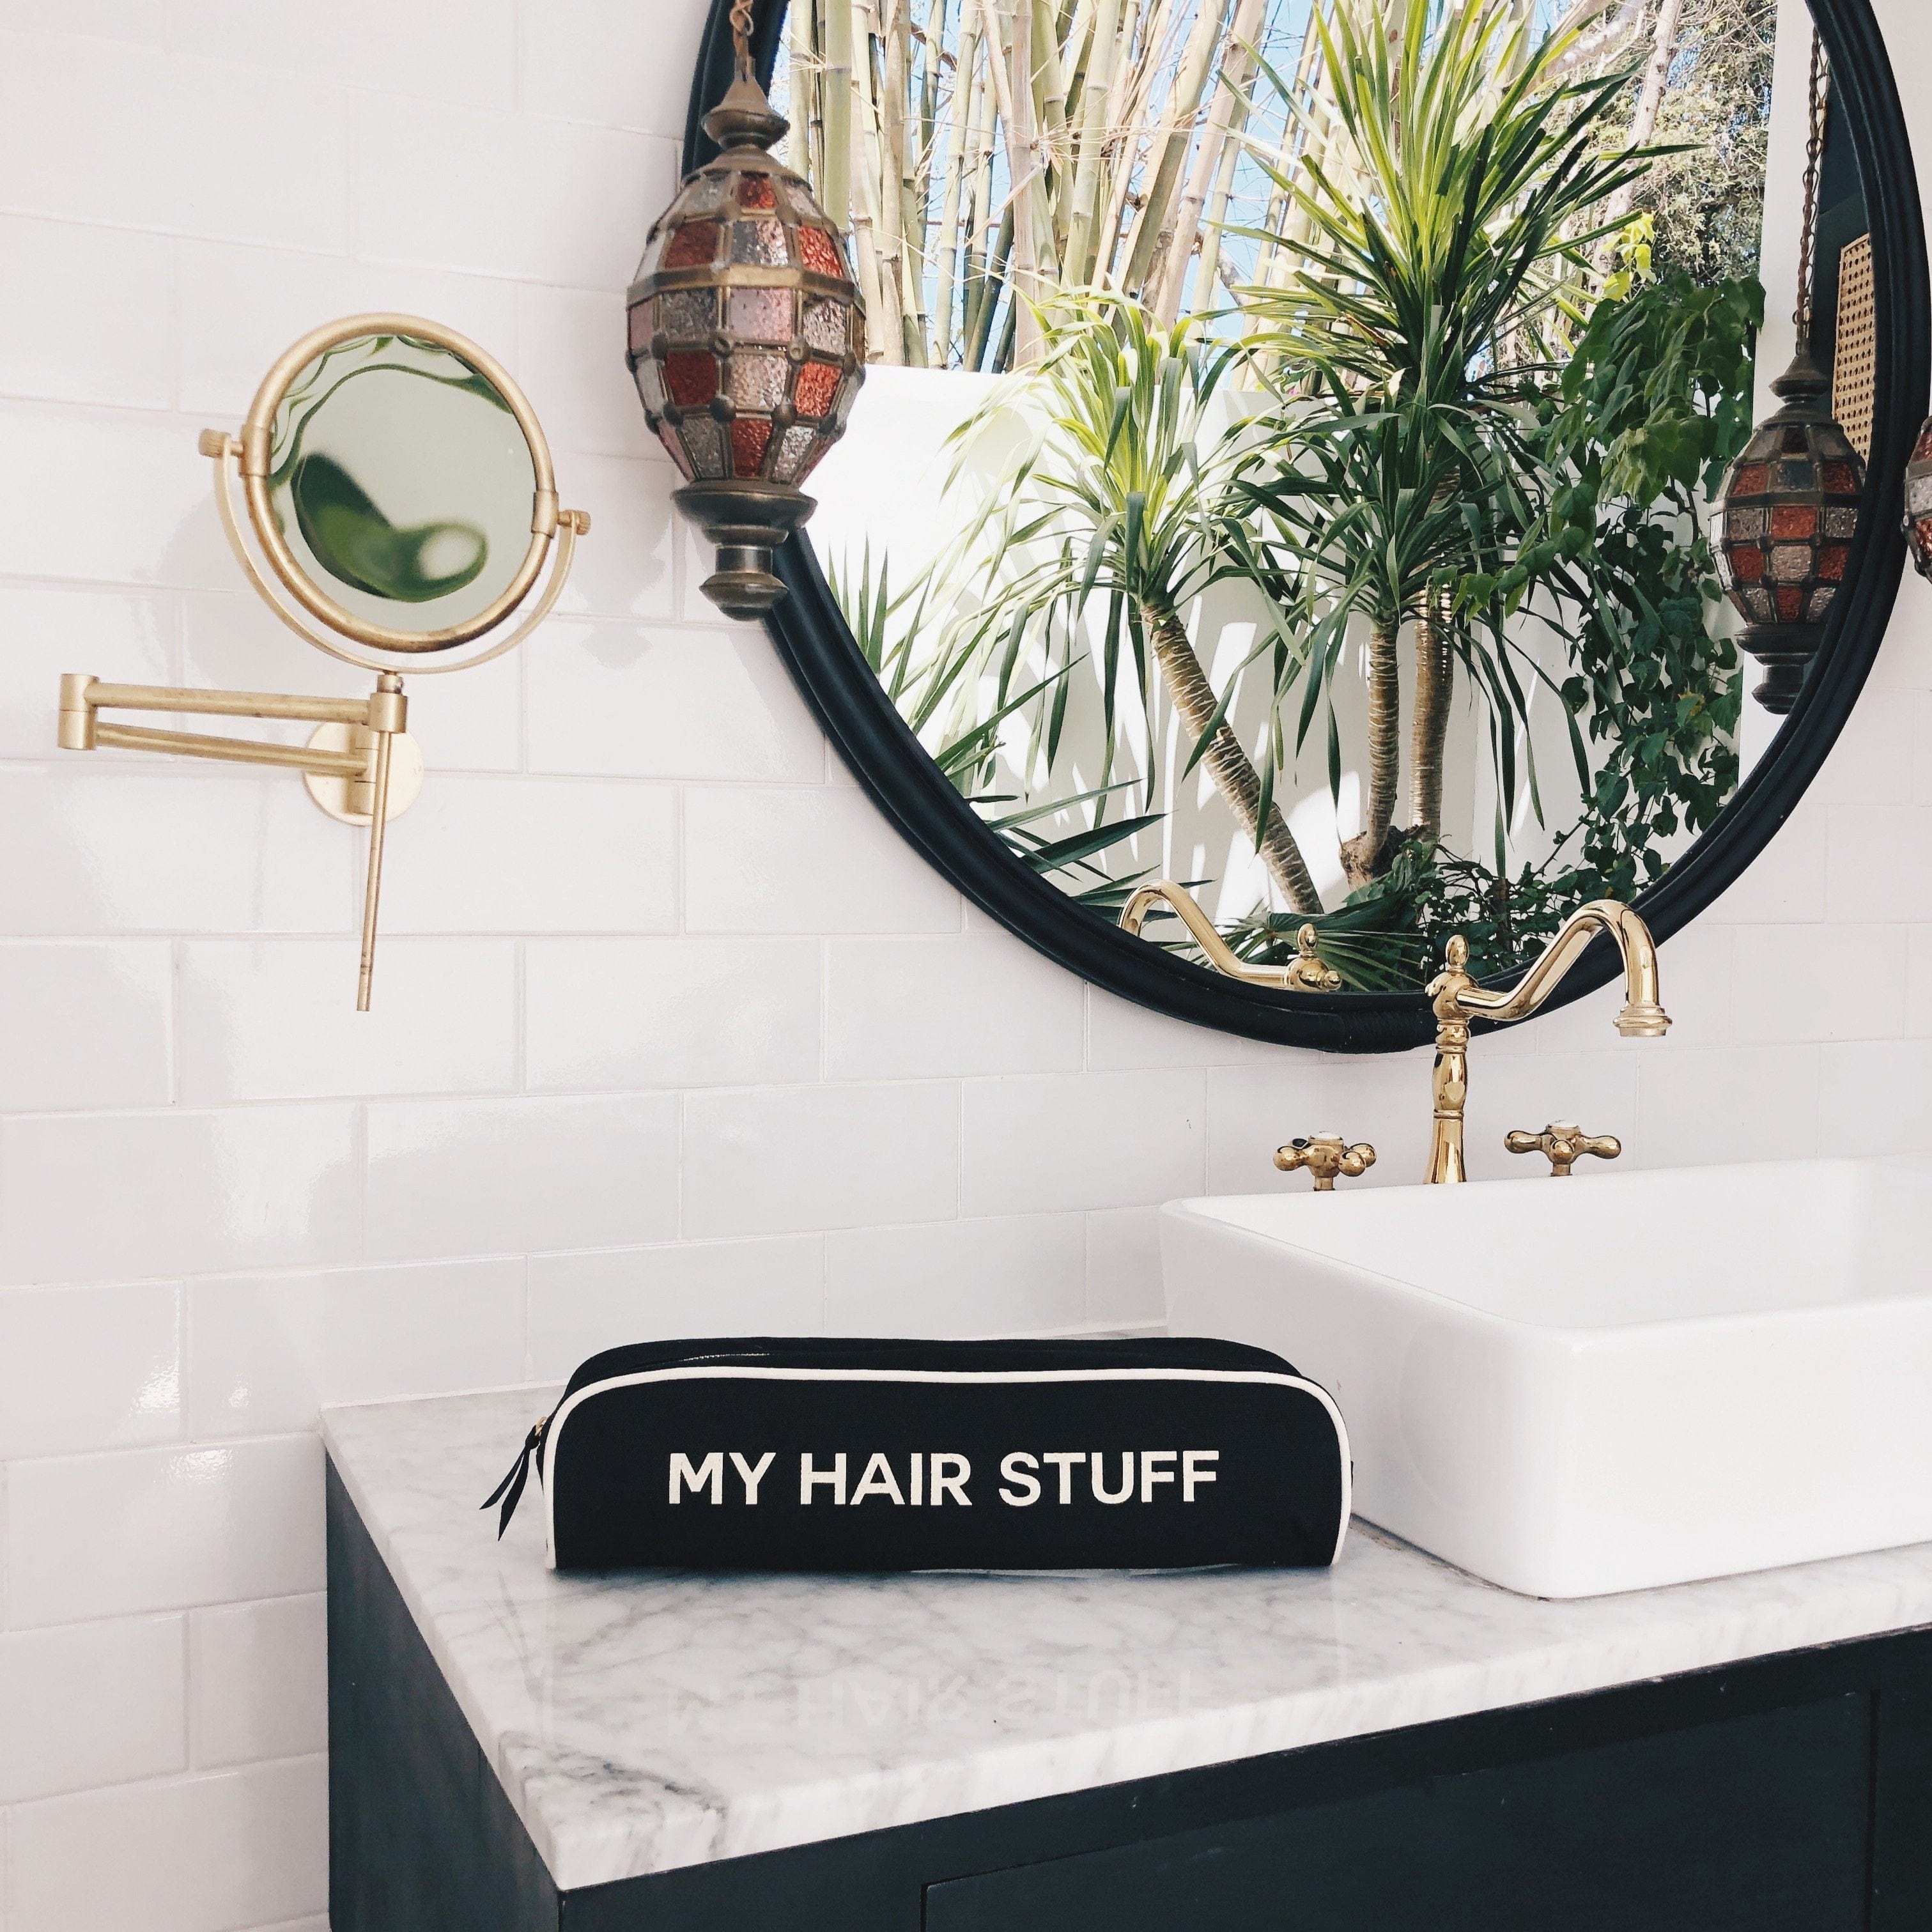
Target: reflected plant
(1126, 506)
(888, 630)
(348, 532)
(1449, 230)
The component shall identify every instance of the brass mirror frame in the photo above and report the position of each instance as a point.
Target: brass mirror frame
(250, 454)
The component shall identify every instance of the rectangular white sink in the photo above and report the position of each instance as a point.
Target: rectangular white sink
(1606, 1383)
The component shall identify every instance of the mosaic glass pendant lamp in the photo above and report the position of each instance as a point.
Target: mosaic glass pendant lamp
(746, 341)
(1790, 503)
(1919, 501)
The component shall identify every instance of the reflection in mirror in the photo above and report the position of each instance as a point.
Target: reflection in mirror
(1287, 462)
(402, 482)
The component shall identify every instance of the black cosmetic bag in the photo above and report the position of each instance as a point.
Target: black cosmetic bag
(817, 1455)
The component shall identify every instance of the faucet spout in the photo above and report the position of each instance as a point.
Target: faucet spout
(1456, 999)
(1642, 1017)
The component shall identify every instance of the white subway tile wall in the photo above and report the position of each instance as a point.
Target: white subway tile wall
(673, 1034)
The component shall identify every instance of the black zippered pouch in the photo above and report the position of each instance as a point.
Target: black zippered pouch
(880, 1455)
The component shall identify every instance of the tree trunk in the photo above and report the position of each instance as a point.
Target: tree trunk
(1226, 763)
(1643, 121)
(1434, 686)
(1366, 856)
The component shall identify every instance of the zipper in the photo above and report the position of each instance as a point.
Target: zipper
(510, 1491)
(1165, 1352)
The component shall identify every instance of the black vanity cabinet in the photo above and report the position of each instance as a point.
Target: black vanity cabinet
(1789, 1793)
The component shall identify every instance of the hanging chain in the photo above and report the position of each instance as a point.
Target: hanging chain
(741, 36)
(1821, 91)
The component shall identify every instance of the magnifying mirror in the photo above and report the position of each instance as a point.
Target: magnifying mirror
(399, 494)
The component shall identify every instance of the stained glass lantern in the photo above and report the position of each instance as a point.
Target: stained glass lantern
(1790, 507)
(747, 344)
(1919, 501)
(1790, 510)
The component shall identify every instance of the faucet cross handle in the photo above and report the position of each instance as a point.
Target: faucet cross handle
(1563, 1145)
(1326, 1157)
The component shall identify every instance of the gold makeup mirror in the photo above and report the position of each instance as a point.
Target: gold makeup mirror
(399, 491)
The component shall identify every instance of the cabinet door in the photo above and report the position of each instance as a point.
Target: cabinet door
(1758, 1824)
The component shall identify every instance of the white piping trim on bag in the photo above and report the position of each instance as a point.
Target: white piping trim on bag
(548, 1454)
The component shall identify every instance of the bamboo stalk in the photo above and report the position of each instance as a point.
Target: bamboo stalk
(803, 65)
(900, 145)
(1005, 58)
(1155, 225)
(991, 285)
(1143, 42)
(1169, 280)
(1214, 217)
(951, 241)
(979, 224)
(1077, 259)
(877, 267)
(835, 185)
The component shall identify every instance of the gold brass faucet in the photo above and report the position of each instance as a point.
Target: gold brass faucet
(1456, 999)
(1305, 974)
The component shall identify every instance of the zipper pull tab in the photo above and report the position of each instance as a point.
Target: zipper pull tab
(510, 1490)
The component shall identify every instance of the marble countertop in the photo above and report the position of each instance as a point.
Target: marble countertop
(657, 1721)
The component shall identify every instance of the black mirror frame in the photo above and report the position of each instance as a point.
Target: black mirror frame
(889, 762)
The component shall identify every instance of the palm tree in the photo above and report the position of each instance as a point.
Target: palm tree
(1449, 221)
(1129, 504)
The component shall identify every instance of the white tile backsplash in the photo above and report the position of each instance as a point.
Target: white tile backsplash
(804, 860)
(610, 62)
(86, 1368)
(779, 1160)
(443, 1021)
(161, 1529)
(642, 700)
(258, 1681)
(979, 1003)
(91, 1704)
(1084, 1140)
(671, 1012)
(581, 1303)
(957, 1278)
(497, 184)
(497, 1177)
(131, 137)
(71, 343)
(85, 1025)
(477, 855)
(369, 43)
(216, 1852)
(124, 636)
(102, 1196)
(673, 1033)
(267, 1352)
(150, 518)
(104, 848)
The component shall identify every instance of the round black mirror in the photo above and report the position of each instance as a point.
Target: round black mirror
(1053, 731)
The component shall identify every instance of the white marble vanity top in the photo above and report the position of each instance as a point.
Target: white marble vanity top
(642, 1724)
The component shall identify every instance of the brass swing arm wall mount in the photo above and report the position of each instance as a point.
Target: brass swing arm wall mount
(361, 765)
(1456, 999)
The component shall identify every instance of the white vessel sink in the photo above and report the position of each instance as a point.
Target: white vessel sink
(1605, 1383)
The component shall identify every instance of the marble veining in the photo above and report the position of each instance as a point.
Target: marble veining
(661, 1720)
